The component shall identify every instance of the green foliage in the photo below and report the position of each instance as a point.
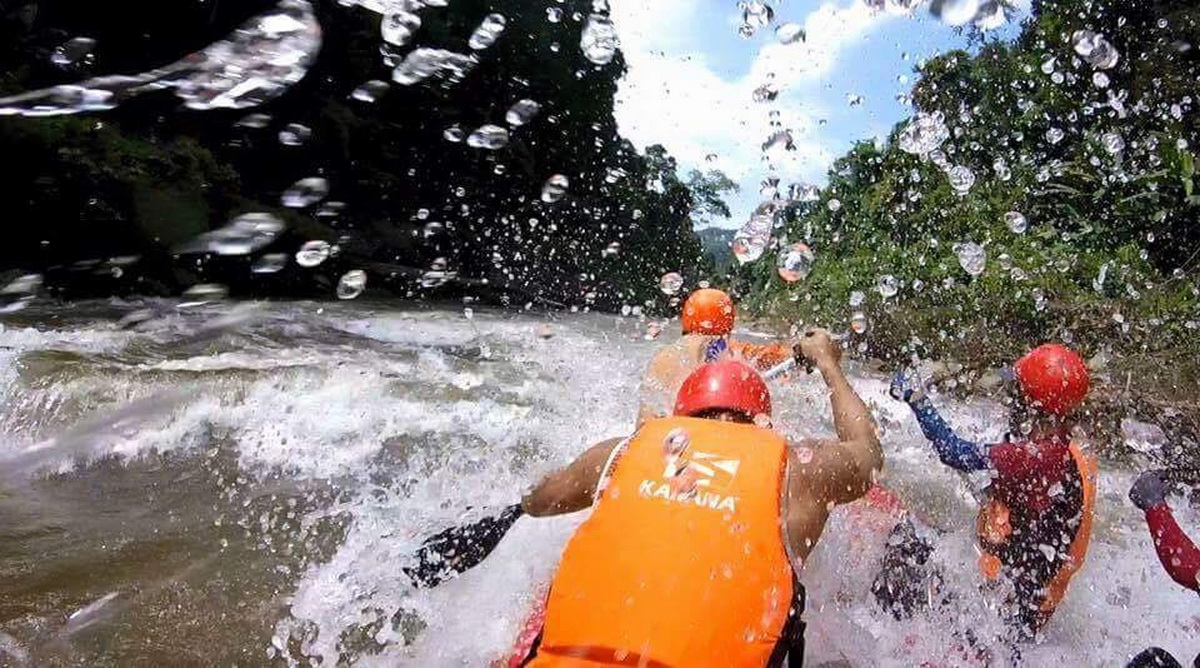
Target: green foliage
(1129, 215)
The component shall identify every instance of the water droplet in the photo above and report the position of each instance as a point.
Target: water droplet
(254, 121)
(599, 39)
(423, 63)
(371, 91)
(305, 193)
(766, 93)
(961, 179)
(1048, 66)
(778, 142)
(488, 32)
(854, 99)
(490, 137)
(805, 192)
(397, 28)
(676, 442)
(857, 298)
(1054, 135)
(923, 134)
(269, 263)
(203, 293)
(438, 274)
(1113, 143)
(352, 284)
(554, 14)
(1100, 79)
(750, 242)
(614, 174)
(955, 12)
(795, 262)
(859, 323)
(19, 293)
(1095, 49)
(294, 134)
(1002, 171)
(312, 253)
(612, 250)
(670, 283)
(555, 188)
(888, 286)
(243, 235)
(789, 33)
(834, 204)
(77, 51)
(755, 15)
(522, 112)
(971, 257)
(1016, 222)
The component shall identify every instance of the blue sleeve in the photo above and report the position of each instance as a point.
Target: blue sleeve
(954, 451)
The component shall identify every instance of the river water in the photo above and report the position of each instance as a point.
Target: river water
(242, 484)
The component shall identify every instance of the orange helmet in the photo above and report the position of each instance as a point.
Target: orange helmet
(1053, 378)
(708, 311)
(724, 386)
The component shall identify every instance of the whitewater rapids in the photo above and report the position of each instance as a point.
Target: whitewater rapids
(209, 487)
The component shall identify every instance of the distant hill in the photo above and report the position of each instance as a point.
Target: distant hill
(715, 241)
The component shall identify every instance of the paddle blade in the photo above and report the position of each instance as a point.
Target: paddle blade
(459, 549)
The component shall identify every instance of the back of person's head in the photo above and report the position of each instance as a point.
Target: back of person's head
(724, 388)
(708, 311)
(1053, 379)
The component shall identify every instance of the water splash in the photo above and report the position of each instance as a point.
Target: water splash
(256, 63)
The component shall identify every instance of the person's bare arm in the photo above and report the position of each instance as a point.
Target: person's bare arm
(573, 488)
(844, 471)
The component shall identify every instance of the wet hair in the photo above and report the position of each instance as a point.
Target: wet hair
(725, 415)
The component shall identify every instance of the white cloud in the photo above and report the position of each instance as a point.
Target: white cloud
(677, 99)
(829, 30)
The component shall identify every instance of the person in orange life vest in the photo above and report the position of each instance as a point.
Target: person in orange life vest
(707, 319)
(701, 522)
(1036, 525)
(1179, 555)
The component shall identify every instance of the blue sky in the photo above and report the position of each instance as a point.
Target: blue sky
(691, 78)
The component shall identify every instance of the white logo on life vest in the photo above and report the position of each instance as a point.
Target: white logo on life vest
(662, 490)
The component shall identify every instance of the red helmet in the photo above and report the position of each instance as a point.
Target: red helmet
(708, 311)
(1053, 378)
(724, 386)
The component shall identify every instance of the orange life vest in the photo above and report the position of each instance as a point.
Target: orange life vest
(683, 561)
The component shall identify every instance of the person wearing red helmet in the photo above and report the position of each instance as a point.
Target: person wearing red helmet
(683, 558)
(1035, 526)
(707, 320)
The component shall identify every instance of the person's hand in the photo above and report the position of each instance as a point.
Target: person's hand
(819, 348)
(1148, 491)
(907, 386)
